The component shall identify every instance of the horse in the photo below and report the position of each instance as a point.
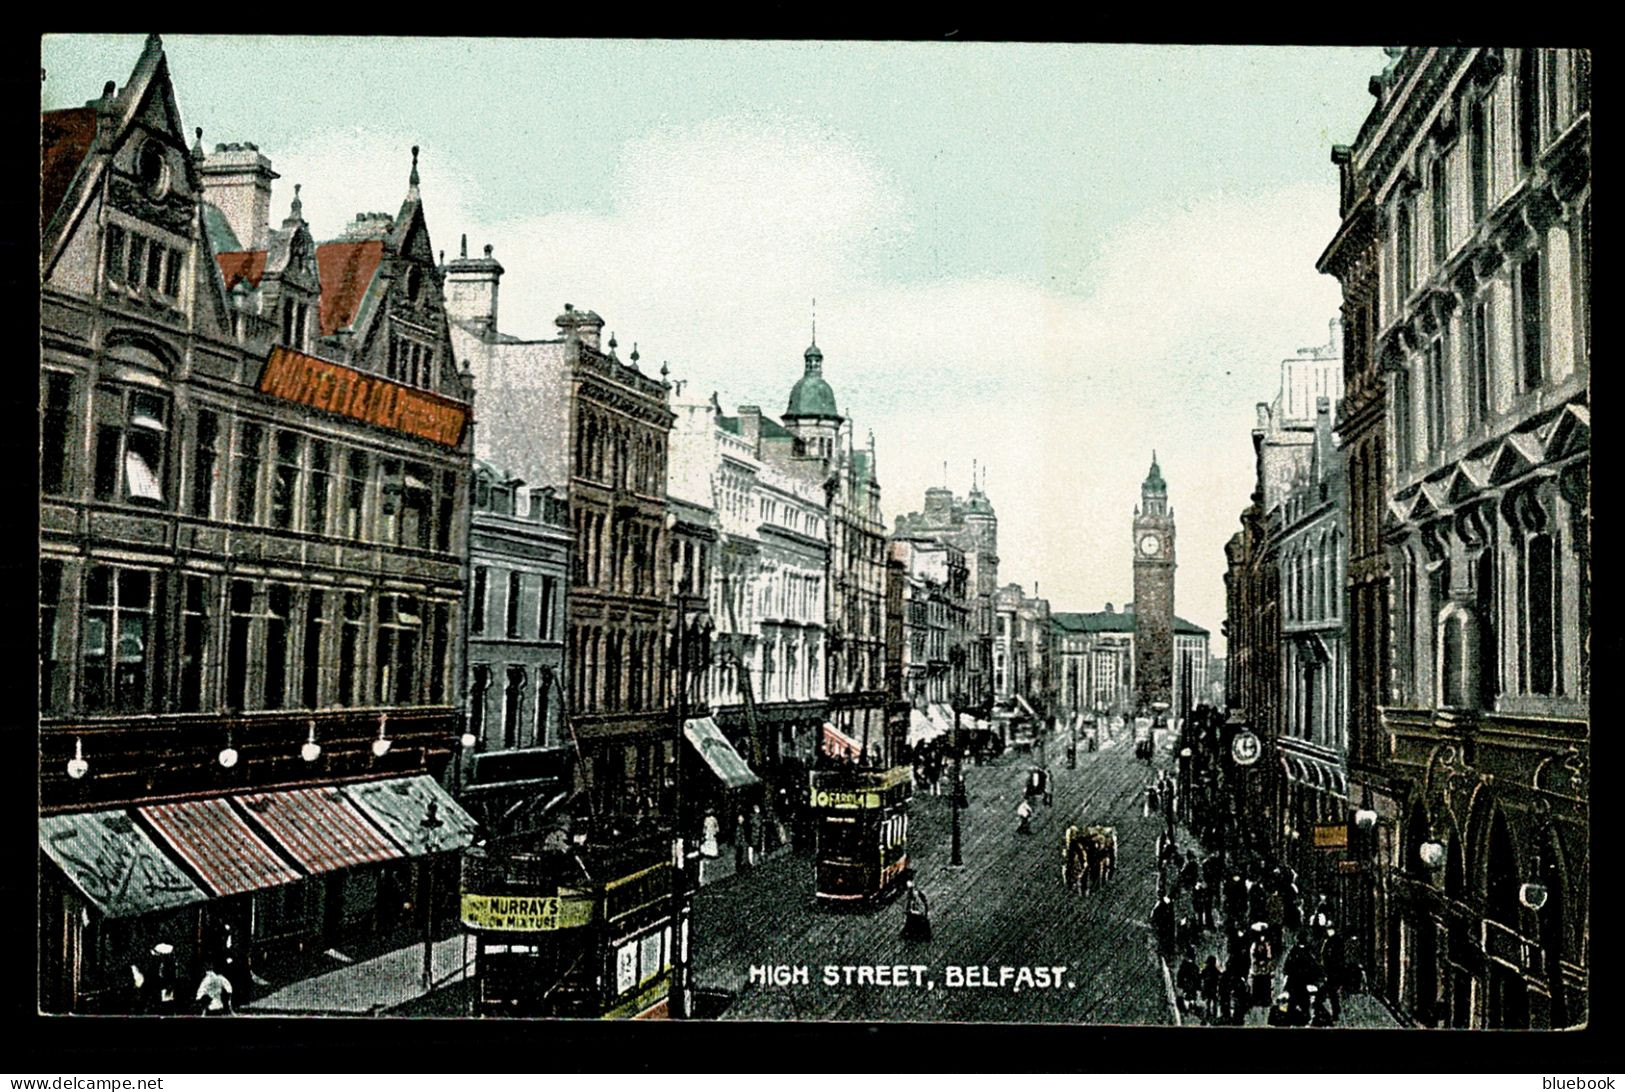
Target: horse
(1101, 846)
(1075, 861)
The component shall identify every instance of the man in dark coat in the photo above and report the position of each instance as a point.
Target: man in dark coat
(1211, 976)
(1188, 980)
(1202, 905)
(1190, 873)
(1162, 924)
(1302, 970)
(1235, 900)
(1334, 964)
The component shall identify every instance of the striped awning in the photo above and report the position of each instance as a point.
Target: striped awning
(319, 829)
(838, 743)
(219, 845)
(921, 728)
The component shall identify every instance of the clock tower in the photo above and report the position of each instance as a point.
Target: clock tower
(1154, 592)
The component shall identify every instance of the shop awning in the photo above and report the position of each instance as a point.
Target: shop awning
(921, 728)
(941, 716)
(719, 754)
(219, 845)
(319, 829)
(838, 743)
(114, 864)
(416, 812)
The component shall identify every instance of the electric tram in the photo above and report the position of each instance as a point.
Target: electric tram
(862, 823)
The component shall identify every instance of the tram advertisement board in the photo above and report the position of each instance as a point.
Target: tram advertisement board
(525, 913)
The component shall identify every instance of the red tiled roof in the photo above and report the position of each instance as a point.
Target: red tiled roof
(65, 137)
(346, 270)
(242, 264)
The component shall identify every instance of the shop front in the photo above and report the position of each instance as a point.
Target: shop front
(250, 882)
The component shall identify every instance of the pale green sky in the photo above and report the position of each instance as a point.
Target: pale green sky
(1017, 249)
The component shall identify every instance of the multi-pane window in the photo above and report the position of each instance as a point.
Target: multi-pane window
(350, 641)
(278, 609)
(311, 652)
(295, 319)
(516, 585)
(249, 454)
(1478, 402)
(116, 669)
(131, 425)
(1478, 151)
(544, 619)
(1435, 394)
(513, 699)
(1440, 196)
(285, 479)
(240, 621)
(1402, 419)
(439, 652)
(477, 604)
(56, 417)
(316, 488)
(1531, 312)
(1528, 106)
(400, 625)
(194, 642)
(1402, 250)
(133, 260)
(448, 507)
(52, 676)
(410, 362)
(476, 699)
(417, 509)
(355, 496)
(205, 462)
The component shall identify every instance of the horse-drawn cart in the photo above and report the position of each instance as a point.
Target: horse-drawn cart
(1089, 857)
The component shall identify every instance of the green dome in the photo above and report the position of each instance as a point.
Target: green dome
(811, 397)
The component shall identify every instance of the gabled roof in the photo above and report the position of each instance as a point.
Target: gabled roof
(218, 229)
(65, 140)
(346, 270)
(248, 265)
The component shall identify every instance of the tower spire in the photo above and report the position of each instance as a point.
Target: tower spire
(815, 321)
(412, 180)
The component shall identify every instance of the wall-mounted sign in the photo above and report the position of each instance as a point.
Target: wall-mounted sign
(525, 913)
(370, 398)
(1245, 748)
(1331, 835)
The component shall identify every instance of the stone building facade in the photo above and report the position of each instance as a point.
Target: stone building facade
(568, 414)
(254, 529)
(1475, 165)
(972, 526)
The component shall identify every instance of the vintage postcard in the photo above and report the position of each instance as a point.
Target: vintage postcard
(956, 532)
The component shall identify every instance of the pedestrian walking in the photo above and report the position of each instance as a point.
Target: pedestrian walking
(1188, 981)
(1202, 905)
(1235, 900)
(1212, 973)
(1024, 812)
(1190, 873)
(1275, 915)
(1320, 921)
(1239, 999)
(1335, 972)
(1263, 969)
(916, 913)
(1301, 970)
(1292, 905)
(213, 993)
(1162, 924)
(162, 981)
(1150, 801)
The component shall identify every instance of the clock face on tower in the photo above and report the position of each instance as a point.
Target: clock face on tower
(1149, 545)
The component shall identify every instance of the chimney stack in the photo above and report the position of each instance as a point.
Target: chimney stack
(237, 180)
(750, 426)
(471, 289)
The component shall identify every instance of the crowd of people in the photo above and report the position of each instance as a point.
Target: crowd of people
(1257, 913)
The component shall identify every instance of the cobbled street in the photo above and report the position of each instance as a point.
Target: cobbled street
(1006, 906)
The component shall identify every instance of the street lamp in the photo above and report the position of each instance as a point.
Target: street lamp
(430, 822)
(77, 766)
(228, 753)
(311, 750)
(677, 1005)
(956, 858)
(381, 745)
(1534, 894)
(1432, 854)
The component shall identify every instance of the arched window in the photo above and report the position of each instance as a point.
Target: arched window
(1542, 607)
(1403, 258)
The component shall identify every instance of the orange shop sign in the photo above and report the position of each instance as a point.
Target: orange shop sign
(384, 403)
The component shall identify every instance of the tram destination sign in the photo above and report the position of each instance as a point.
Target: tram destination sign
(845, 798)
(525, 913)
(381, 402)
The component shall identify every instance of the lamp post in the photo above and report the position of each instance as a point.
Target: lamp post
(431, 821)
(682, 907)
(956, 858)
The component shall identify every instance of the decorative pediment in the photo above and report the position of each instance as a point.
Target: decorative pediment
(1570, 433)
(1461, 486)
(1512, 460)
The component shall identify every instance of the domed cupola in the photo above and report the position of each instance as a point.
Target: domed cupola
(811, 398)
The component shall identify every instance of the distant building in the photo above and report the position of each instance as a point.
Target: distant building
(972, 526)
(1095, 662)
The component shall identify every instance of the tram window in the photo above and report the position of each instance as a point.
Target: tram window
(840, 837)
